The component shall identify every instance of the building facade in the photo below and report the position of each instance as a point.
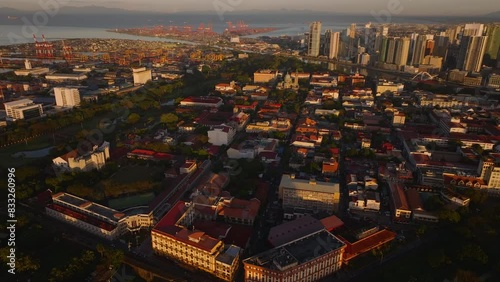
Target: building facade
(310, 258)
(22, 109)
(73, 161)
(172, 238)
(314, 40)
(67, 97)
(332, 44)
(221, 135)
(89, 216)
(471, 53)
(309, 195)
(141, 76)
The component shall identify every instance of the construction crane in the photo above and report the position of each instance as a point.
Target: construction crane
(48, 48)
(38, 48)
(67, 52)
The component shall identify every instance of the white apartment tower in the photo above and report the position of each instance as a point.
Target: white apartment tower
(332, 44)
(314, 41)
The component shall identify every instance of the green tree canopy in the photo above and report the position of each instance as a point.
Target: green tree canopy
(133, 118)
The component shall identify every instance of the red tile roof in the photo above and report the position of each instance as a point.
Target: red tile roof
(332, 222)
(83, 217)
(367, 244)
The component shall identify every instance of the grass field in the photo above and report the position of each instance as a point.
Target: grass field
(131, 201)
(131, 174)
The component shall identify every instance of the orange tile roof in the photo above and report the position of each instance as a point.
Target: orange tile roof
(368, 243)
(332, 222)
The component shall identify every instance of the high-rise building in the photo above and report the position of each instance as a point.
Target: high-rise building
(391, 50)
(332, 44)
(402, 50)
(493, 43)
(441, 43)
(67, 97)
(413, 43)
(471, 53)
(363, 59)
(429, 47)
(473, 29)
(381, 32)
(352, 40)
(453, 34)
(314, 41)
(370, 38)
(419, 51)
(384, 42)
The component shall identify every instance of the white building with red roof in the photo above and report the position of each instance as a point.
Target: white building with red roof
(221, 135)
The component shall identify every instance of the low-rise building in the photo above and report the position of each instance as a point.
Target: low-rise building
(309, 258)
(66, 77)
(74, 161)
(399, 204)
(22, 109)
(176, 237)
(264, 76)
(202, 101)
(221, 135)
(308, 195)
(89, 216)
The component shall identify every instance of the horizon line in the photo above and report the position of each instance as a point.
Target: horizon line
(485, 15)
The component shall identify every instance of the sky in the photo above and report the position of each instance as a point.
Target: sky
(362, 7)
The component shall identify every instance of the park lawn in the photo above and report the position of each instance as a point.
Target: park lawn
(131, 201)
(131, 174)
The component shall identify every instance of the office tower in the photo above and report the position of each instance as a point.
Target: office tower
(383, 49)
(332, 44)
(473, 29)
(391, 50)
(352, 31)
(453, 34)
(352, 40)
(371, 34)
(441, 45)
(368, 31)
(413, 43)
(493, 43)
(429, 48)
(363, 59)
(382, 32)
(419, 51)
(314, 41)
(471, 53)
(402, 50)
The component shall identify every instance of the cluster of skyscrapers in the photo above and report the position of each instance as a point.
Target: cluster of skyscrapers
(466, 47)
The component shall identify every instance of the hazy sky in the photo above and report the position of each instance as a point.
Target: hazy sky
(408, 7)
